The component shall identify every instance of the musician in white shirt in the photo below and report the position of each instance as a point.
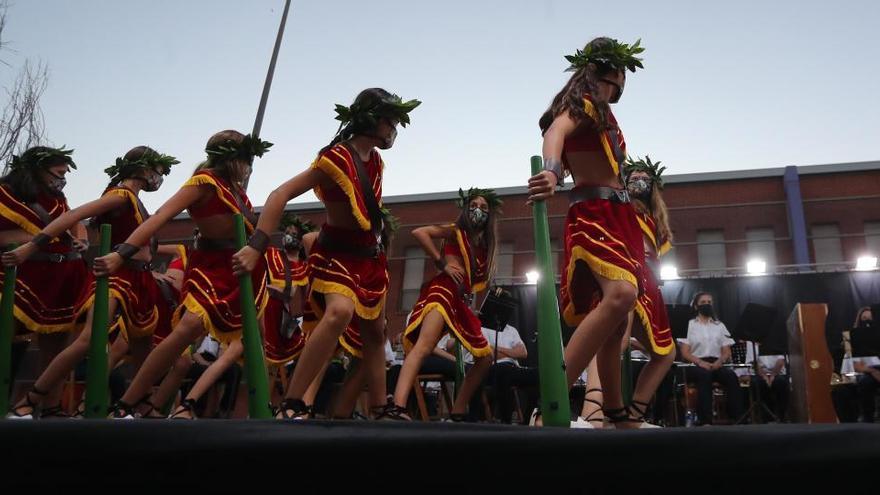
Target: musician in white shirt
(707, 346)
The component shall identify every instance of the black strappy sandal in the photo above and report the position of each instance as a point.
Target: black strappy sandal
(187, 406)
(457, 418)
(54, 412)
(293, 410)
(391, 412)
(32, 414)
(637, 410)
(591, 419)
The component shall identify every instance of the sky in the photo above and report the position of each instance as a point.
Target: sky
(726, 85)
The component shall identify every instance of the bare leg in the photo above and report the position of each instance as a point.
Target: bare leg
(652, 374)
(140, 349)
(171, 383)
(373, 337)
(321, 344)
(210, 377)
(163, 357)
(58, 363)
(117, 352)
(315, 386)
(472, 381)
(429, 335)
(594, 398)
(352, 387)
(598, 326)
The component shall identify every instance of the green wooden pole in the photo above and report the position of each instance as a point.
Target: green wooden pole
(7, 326)
(254, 364)
(555, 408)
(459, 368)
(626, 374)
(97, 400)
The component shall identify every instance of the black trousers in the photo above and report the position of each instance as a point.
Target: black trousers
(775, 395)
(867, 388)
(729, 382)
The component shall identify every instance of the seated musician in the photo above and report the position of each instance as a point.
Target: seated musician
(869, 367)
(771, 378)
(707, 346)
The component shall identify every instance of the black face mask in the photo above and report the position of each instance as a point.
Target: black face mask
(705, 309)
(866, 323)
(291, 242)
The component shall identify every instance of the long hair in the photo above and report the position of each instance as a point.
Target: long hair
(364, 99)
(487, 240)
(133, 154)
(585, 81)
(25, 182)
(227, 168)
(860, 313)
(657, 209)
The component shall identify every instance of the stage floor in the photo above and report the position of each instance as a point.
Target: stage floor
(323, 455)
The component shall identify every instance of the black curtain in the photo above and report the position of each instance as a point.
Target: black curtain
(843, 292)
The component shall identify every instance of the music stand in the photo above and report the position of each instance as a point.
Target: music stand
(680, 316)
(755, 325)
(495, 313)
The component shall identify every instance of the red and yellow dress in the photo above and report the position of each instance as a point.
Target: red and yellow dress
(170, 299)
(52, 284)
(283, 340)
(602, 236)
(132, 286)
(210, 289)
(444, 295)
(650, 305)
(349, 262)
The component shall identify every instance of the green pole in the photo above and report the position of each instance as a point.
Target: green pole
(97, 401)
(7, 325)
(254, 365)
(555, 408)
(459, 367)
(626, 376)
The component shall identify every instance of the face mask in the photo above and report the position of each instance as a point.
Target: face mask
(705, 309)
(640, 188)
(153, 182)
(290, 242)
(866, 324)
(389, 141)
(478, 217)
(55, 184)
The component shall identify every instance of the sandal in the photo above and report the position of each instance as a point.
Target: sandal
(293, 410)
(637, 410)
(54, 412)
(591, 418)
(188, 406)
(28, 403)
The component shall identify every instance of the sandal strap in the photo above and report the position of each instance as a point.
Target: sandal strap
(188, 405)
(292, 409)
(392, 411)
(640, 408)
(55, 411)
(617, 415)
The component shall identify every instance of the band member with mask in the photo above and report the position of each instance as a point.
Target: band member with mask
(465, 262)
(54, 281)
(708, 347)
(603, 269)
(348, 268)
(210, 294)
(650, 323)
(869, 367)
(134, 293)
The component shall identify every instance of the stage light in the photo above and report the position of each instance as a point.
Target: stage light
(756, 267)
(865, 263)
(668, 272)
(532, 277)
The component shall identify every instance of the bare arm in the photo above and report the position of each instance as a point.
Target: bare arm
(246, 258)
(426, 235)
(686, 354)
(67, 220)
(445, 355)
(185, 197)
(169, 250)
(543, 185)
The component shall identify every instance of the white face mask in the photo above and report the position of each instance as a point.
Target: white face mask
(55, 184)
(478, 217)
(640, 187)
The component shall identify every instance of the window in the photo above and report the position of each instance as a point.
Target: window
(504, 263)
(711, 252)
(872, 238)
(413, 276)
(826, 244)
(761, 245)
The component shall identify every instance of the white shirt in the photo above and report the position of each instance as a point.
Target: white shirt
(707, 339)
(209, 346)
(867, 361)
(768, 362)
(507, 339)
